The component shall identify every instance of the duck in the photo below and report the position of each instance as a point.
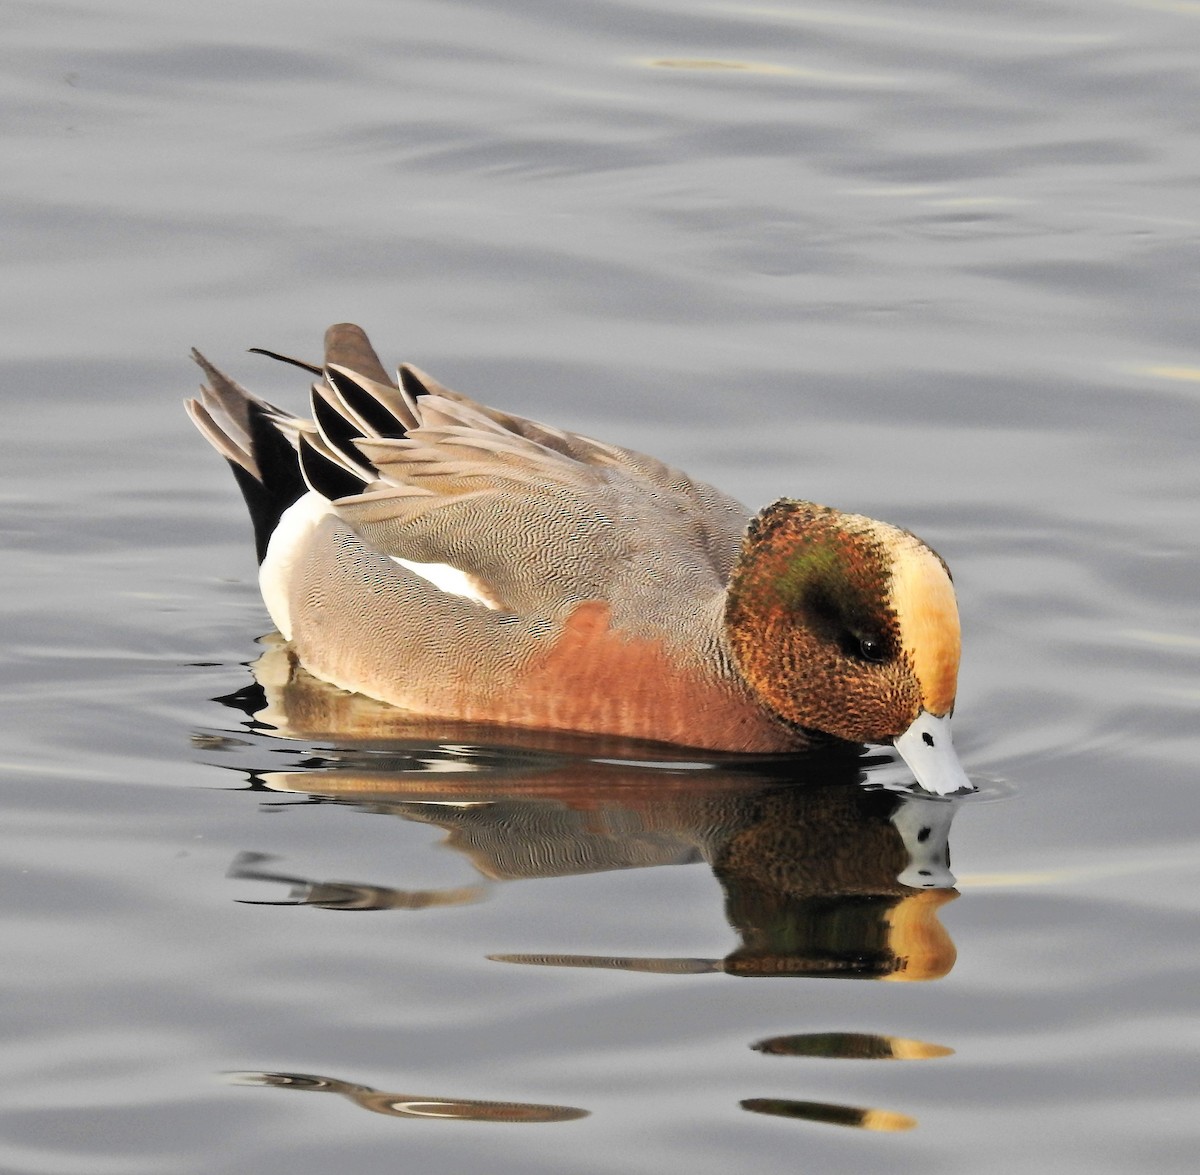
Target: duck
(454, 560)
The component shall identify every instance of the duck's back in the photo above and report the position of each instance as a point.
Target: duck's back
(457, 560)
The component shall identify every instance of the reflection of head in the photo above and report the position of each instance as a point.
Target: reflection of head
(863, 938)
(812, 884)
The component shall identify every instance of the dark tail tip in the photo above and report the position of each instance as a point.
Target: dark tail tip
(281, 484)
(348, 346)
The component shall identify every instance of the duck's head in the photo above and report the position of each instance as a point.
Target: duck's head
(849, 626)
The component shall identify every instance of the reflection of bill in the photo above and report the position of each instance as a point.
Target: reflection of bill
(822, 877)
(407, 1105)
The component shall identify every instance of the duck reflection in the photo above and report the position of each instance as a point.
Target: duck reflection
(822, 876)
(830, 1113)
(851, 1046)
(408, 1105)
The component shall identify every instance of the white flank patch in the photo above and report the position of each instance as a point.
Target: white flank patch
(449, 579)
(286, 543)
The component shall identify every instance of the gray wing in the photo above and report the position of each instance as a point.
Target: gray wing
(539, 518)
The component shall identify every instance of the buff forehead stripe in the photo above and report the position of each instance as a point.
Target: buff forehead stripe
(927, 615)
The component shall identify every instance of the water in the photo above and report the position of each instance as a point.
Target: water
(931, 262)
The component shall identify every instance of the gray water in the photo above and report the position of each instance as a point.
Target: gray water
(931, 262)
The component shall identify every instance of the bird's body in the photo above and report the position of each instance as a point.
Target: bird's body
(454, 560)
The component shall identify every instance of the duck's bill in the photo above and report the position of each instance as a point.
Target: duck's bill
(928, 750)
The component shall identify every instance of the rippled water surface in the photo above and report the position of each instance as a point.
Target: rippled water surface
(932, 262)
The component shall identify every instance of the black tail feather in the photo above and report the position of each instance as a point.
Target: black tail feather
(374, 414)
(327, 477)
(281, 484)
(338, 432)
(412, 383)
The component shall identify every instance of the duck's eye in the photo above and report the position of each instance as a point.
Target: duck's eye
(871, 648)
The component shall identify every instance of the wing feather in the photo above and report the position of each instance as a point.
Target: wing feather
(540, 517)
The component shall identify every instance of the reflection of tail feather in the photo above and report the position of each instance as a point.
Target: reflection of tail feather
(616, 963)
(834, 1115)
(347, 895)
(405, 1105)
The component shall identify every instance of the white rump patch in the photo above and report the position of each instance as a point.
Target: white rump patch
(287, 541)
(447, 578)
